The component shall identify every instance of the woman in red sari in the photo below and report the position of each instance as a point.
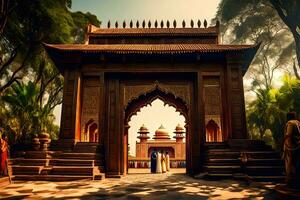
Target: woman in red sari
(3, 155)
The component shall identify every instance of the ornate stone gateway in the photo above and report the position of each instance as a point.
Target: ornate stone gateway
(117, 71)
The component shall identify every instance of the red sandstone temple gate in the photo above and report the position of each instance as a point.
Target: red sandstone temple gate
(119, 70)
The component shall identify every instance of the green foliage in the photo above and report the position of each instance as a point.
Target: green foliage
(254, 21)
(268, 112)
(27, 114)
(27, 106)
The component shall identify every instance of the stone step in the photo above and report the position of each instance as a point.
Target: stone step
(216, 169)
(223, 154)
(28, 161)
(81, 156)
(55, 178)
(32, 170)
(264, 162)
(71, 162)
(265, 170)
(222, 161)
(262, 154)
(266, 178)
(84, 144)
(73, 170)
(215, 145)
(85, 150)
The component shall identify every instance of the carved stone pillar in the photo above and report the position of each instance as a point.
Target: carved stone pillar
(71, 106)
(236, 101)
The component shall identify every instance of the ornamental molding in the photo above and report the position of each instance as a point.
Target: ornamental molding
(179, 90)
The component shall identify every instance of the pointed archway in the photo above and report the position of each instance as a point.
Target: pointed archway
(135, 105)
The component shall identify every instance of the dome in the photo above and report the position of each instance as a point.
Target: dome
(161, 133)
(143, 129)
(179, 129)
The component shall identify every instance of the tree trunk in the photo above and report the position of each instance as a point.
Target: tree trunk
(297, 43)
(3, 14)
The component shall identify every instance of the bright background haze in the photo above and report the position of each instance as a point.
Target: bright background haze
(155, 115)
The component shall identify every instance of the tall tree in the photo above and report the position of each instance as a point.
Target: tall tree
(23, 58)
(31, 22)
(256, 21)
(288, 11)
(3, 14)
(234, 13)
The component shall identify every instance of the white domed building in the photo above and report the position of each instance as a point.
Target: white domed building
(161, 141)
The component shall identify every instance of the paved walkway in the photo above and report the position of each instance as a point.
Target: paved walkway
(138, 186)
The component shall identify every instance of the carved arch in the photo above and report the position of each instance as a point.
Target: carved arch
(136, 104)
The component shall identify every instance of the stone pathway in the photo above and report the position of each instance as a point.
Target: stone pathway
(139, 186)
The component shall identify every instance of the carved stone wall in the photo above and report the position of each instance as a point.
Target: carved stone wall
(90, 100)
(180, 90)
(212, 99)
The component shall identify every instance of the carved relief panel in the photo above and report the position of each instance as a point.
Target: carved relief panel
(181, 90)
(213, 108)
(90, 109)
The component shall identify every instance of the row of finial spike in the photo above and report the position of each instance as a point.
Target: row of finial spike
(168, 24)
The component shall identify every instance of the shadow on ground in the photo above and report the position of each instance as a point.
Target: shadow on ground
(142, 186)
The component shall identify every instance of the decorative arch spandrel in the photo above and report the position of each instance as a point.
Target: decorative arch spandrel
(145, 95)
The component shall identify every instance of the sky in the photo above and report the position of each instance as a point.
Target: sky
(148, 9)
(156, 114)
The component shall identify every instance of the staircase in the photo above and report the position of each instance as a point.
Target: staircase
(255, 162)
(82, 162)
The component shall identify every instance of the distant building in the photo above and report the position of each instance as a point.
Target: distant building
(161, 142)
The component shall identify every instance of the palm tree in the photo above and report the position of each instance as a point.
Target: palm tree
(30, 115)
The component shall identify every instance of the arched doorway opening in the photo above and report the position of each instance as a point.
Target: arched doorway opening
(90, 132)
(213, 132)
(154, 109)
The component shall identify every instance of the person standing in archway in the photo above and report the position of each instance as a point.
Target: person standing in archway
(3, 155)
(158, 163)
(167, 162)
(153, 161)
(291, 150)
(163, 162)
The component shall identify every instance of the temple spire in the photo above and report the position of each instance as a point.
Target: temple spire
(205, 23)
(192, 23)
(174, 23)
(131, 24)
(179, 131)
(161, 24)
(183, 24)
(199, 23)
(143, 131)
(168, 24)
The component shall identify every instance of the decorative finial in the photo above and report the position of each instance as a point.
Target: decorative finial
(174, 23)
(205, 23)
(137, 24)
(168, 24)
(144, 24)
(156, 24)
(218, 23)
(131, 24)
(149, 24)
(108, 24)
(183, 24)
(192, 23)
(124, 24)
(199, 23)
(116, 24)
(161, 24)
